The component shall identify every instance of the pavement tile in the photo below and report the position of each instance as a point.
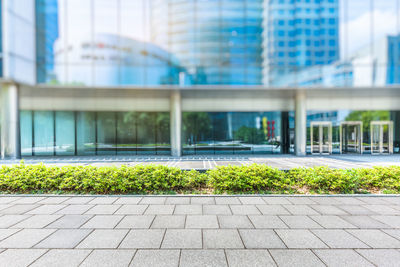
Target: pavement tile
(75, 209)
(177, 200)
(216, 210)
(128, 200)
(273, 210)
(299, 221)
(320, 200)
(28, 200)
(53, 200)
(201, 221)
(375, 238)
(222, 238)
(257, 238)
(227, 200)
(328, 210)
(364, 222)
(300, 210)
(188, 209)
(64, 238)
(295, 258)
(103, 209)
(46, 209)
(182, 238)
(342, 257)
(239, 258)
(169, 221)
(9, 220)
(78, 200)
(62, 257)
(382, 209)
(156, 258)
(381, 257)
(393, 221)
(37, 221)
(4, 233)
(244, 210)
(20, 257)
(8, 199)
(149, 238)
(103, 238)
(109, 258)
(153, 200)
(301, 200)
(70, 221)
(357, 210)
(234, 221)
(393, 200)
(300, 239)
(349, 200)
(251, 200)
(132, 209)
(202, 200)
(276, 200)
(393, 232)
(373, 200)
(19, 209)
(200, 258)
(160, 209)
(339, 239)
(103, 200)
(26, 238)
(136, 221)
(103, 221)
(267, 221)
(4, 206)
(331, 221)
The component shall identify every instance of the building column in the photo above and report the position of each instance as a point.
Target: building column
(300, 123)
(176, 123)
(10, 135)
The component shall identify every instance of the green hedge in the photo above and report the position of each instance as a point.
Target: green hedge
(152, 179)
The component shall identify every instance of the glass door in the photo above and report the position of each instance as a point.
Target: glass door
(381, 137)
(351, 137)
(321, 138)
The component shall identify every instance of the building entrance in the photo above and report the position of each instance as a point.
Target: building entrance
(321, 137)
(351, 137)
(381, 137)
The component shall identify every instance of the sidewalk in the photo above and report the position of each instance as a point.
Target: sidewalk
(199, 230)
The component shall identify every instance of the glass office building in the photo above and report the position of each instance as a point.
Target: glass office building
(199, 77)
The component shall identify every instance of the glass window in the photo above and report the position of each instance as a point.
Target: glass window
(86, 133)
(26, 132)
(43, 127)
(65, 133)
(126, 133)
(106, 133)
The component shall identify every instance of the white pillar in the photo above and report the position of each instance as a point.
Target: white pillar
(10, 135)
(176, 123)
(300, 123)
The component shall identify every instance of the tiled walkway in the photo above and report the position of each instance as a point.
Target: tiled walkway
(199, 231)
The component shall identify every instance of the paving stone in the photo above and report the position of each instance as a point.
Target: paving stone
(239, 258)
(300, 210)
(70, 221)
(357, 210)
(46, 209)
(234, 221)
(5, 199)
(188, 209)
(381, 257)
(153, 200)
(301, 200)
(132, 209)
(19, 209)
(276, 200)
(267, 221)
(28, 200)
(226, 200)
(200, 258)
(222, 238)
(160, 209)
(103, 238)
(53, 200)
(326, 200)
(244, 210)
(382, 209)
(349, 200)
(37, 221)
(9, 220)
(62, 257)
(393, 200)
(4, 206)
(156, 258)
(26, 238)
(103, 200)
(4, 233)
(299, 239)
(339, 239)
(393, 232)
(342, 257)
(202, 200)
(393, 221)
(251, 200)
(182, 238)
(64, 238)
(169, 221)
(257, 238)
(373, 200)
(364, 222)
(75, 209)
(20, 257)
(328, 210)
(201, 221)
(295, 258)
(294, 221)
(103, 221)
(273, 210)
(103, 209)
(136, 221)
(375, 238)
(128, 200)
(331, 221)
(143, 239)
(109, 258)
(177, 200)
(216, 210)
(78, 200)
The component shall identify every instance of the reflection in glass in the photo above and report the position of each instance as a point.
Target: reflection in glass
(25, 120)
(106, 133)
(65, 133)
(43, 128)
(86, 133)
